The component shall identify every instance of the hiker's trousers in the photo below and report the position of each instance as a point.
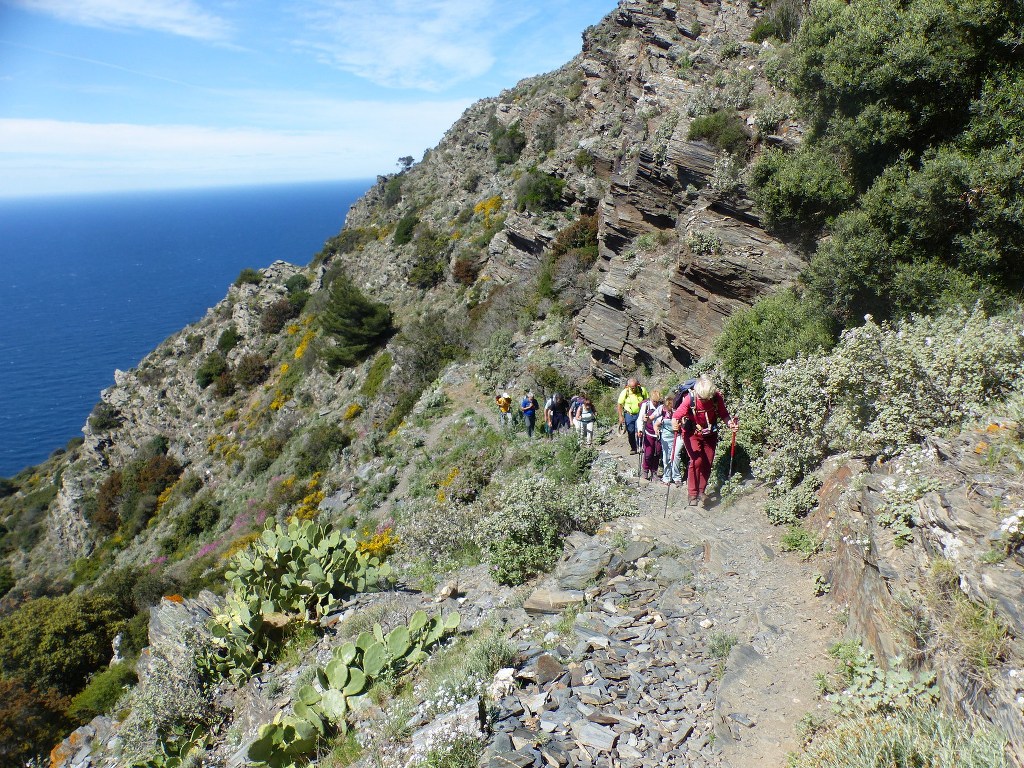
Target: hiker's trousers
(701, 450)
(670, 450)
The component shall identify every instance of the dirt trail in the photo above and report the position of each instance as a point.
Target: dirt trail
(761, 596)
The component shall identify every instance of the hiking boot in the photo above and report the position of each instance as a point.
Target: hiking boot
(693, 501)
(666, 481)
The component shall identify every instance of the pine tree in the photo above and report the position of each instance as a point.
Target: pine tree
(357, 324)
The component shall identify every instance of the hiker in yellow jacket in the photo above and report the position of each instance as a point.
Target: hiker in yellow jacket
(628, 408)
(504, 402)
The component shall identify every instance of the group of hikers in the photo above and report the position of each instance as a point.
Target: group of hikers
(559, 414)
(682, 425)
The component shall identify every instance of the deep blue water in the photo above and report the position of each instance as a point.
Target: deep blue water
(93, 283)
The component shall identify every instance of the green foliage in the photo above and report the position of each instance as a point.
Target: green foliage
(506, 143)
(102, 692)
(777, 328)
(799, 539)
(171, 705)
(720, 645)
(7, 580)
(252, 369)
(392, 191)
(497, 363)
(538, 191)
(296, 284)
(7, 487)
(348, 240)
(928, 141)
(58, 642)
(104, 417)
(357, 324)
(213, 366)
(579, 237)
(530, 515)
(248, 276)
(127, 497)
(228, 339)
(938, 51)
(787, 508)
(882, 388)
(799, 191)
(781, 21)
(723, 129)
(375, 377)
(319, 447)
(869, 689)
(405, 229)
(431, 258)
(200, 516)
(342, 686)
(305, 569)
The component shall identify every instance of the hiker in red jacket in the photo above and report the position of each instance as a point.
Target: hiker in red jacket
(697, 416)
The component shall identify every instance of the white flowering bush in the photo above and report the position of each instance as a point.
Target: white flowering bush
(530, 515)
(884, 387)
(170, 700)
(898, 511)
(437, 530)
(1011, 530)
(797, 502)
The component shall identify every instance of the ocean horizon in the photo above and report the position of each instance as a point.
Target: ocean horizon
(93, 283)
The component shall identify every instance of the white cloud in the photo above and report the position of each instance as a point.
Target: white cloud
(51, 156)
(423, 44)
(175, 17)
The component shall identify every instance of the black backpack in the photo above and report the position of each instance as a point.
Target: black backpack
(682, 391)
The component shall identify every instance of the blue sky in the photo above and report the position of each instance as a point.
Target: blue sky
(105, 95)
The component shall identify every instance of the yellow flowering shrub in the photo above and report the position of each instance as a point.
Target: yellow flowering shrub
(352, 411)
(300, 350)
(487, 208)
(380, 544)
(238, 545)
(292, 329)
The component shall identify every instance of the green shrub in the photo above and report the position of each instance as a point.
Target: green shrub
(277, 314)
(580, 237)
(212, 367)
(799, 539)
(102, 692)
(723, 129)
(356, 324)
(104, 418)
(349, 240)
(248, 276)
(506, 143)
(224, 385)
(58, 642)
(538, 191)
(799, 191)
(7, 487)
(405, 229)
(7, 580)
(296, 284)
(379, 370)
(777, 328)
(530, 515)
(319, 447)
(228, 339)
(199, 517)
(252, 369)
(392, 192)
(781, 21)
(789, 506)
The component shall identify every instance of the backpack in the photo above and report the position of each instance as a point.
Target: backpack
(682, 391)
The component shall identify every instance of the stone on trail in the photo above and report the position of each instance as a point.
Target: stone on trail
(547, 600)
(583, 567)
(597, 736)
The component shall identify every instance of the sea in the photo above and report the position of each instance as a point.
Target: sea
(89, 284)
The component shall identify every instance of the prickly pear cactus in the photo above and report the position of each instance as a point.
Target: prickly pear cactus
(341, 687)
(304, 568)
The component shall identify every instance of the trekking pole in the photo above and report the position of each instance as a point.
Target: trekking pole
(732, 452)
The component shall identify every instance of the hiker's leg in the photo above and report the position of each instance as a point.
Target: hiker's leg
(630, 419)
(587, 432)
(692, 445)
(707, 460)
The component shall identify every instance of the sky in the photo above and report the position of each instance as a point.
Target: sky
(114, 95)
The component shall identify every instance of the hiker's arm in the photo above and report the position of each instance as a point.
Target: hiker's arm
(732, 421)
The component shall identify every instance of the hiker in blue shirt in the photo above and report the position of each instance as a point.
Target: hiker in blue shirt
(529, 410)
